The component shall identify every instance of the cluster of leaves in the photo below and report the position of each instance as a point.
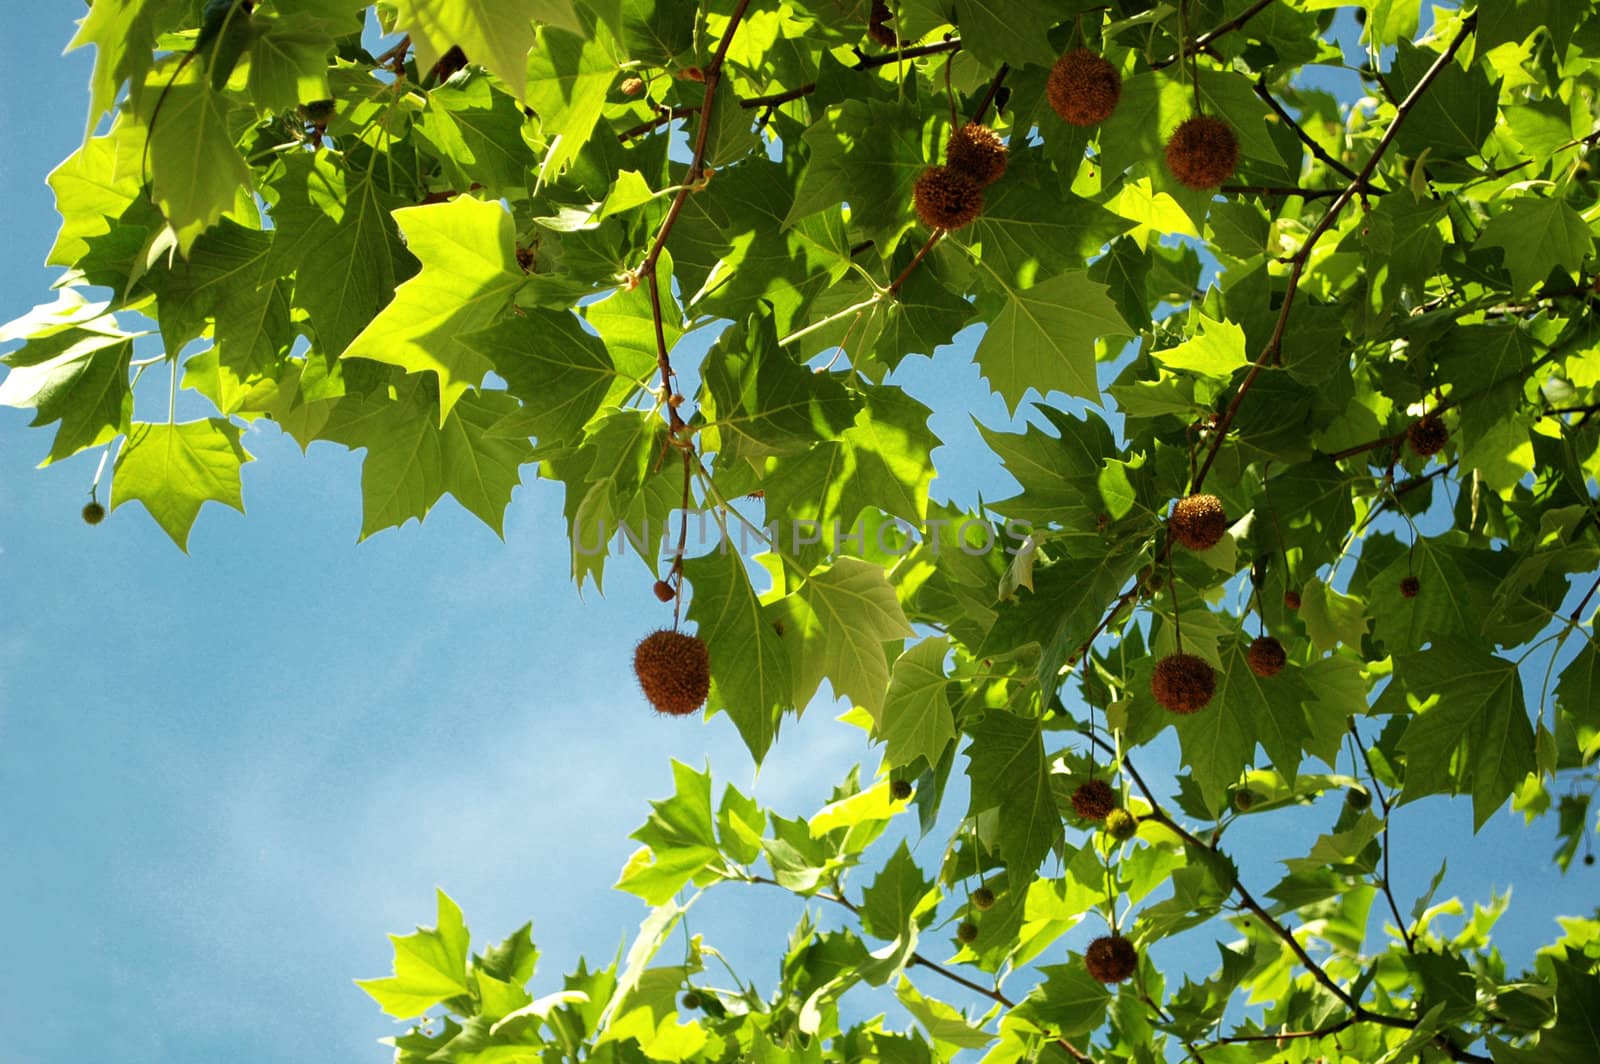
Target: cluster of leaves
(480, 250)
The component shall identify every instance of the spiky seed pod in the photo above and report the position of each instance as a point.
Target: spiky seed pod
(1111, 958)
(1266, 656)
(1198, 521)
(978, 152)
(1083, 88)
(1357, 798)
(900, 790)
(967, 932)
(1427, 435)
(1291, 599)
(1409, 587)
(1203, 152)
(1121, 825)
(674, 670)
(1183, 683)
(664, 591)
(983, 899)
(93, 513)
(1094, 800)
(878, 25)
(946, 199)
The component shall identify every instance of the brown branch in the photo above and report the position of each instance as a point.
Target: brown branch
(1383, 803)
(647, 269)
(1205, 39)
(1281, 190)
(1289, 1036)
(665, 115)
(1307, 139)
(1274, 343)
(397, 52)
(865, 62)
(994, 90)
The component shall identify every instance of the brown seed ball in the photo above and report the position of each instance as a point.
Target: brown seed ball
(674, 670)
(946, 199)
(632, 86)
(978, 152)
(1094, 800)
(967, 933)
(1183, 683)
(900, 790)
(983, 899)
(1409, 587)
(93, 513)
(1266, 656)
(1198, 521)
(664, 591)
(1427, 435)
(1121, 825)
(1111, 958)
(1203, 152)
(878, 28)
(1291, 599)
(1083, 88)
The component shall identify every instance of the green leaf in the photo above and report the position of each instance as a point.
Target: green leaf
(76, 374)
(891, 903)
(839, 624)
(288, 62)
(750, 678)
(915, 720)
(498, 34)
(1005, 31)
(1471, 732)
(679, 839)
(561, 372)
(1538, 235)
(1215, 350)
(568, 77)
(1044, 338)
(196, 171)
(333, 228)
(1219, 741)
(1575, 1038)
(1009, 774)
(430, 966)
(175, 469)
(944, 1024)
(469, 274)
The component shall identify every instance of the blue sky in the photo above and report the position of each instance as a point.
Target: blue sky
(226, 776)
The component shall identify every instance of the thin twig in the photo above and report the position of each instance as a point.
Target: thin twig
(1201, 42)
(1274, 343)
(1282, 190)
(1305, 138)
(1383, 803)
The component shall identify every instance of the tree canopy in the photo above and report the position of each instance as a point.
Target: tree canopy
(1293, 303)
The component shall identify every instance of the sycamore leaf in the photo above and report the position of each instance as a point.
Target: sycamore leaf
(1471, 732)
(430, 966)
(74, 369)
(333, 228)
(916, 720)
(559, 371)
(568, 78)
(1538, 234)
(845, 614)
(1009, 774)
(497, 34)
(1215, 350)
(175, 469)
(469, 274)
(1044, 338)
(196, 171)
(749, 663)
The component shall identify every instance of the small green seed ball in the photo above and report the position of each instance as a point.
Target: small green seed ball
(983, 899)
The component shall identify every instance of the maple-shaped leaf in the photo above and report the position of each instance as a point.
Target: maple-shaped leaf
(430, 966)
(175, 469)
(893, 901)
(1044, 338)
(124, 37)
(1538, 234)
(560, 371)
(333, 228)
(73, 369)
(469, 274)
(196, 171)
(749, 662)
(1010, 774)
(1219, 741)
(916, 720)
(496, 34)
(1471, 731)
(679, 839)
(288, 61)
(568, 78)
(838, 626)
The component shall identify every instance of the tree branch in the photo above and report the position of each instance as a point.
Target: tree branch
(1275, 343)
(1200, 42)
(1318, 150)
